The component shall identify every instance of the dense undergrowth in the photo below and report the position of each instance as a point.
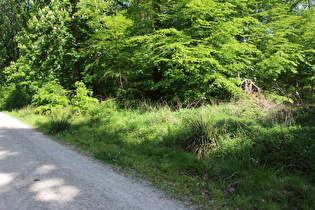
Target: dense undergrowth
(228, 156)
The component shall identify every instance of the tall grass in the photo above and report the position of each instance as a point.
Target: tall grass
(225, 156)
(59, 121)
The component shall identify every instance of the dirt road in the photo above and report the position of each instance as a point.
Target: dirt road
(39, 173)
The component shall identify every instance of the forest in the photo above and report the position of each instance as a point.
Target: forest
(158, 50)
(211, 101)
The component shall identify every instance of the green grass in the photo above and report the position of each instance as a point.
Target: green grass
(219, 157)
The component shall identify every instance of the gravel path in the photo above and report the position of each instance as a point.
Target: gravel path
(39, 173)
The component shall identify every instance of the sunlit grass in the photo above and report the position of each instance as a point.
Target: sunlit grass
(226, 156)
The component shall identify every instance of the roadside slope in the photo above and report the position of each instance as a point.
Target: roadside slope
(39, 173)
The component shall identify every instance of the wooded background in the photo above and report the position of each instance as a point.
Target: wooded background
(161, 50)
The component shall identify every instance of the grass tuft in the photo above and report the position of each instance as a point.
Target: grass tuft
(59, 122)
(199, 136)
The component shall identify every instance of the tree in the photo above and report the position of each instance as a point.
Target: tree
(185, 63)
(46, 46)
(12, 19)
(103, 60)
(186, 50)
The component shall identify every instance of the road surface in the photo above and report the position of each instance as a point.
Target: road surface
(39, 173)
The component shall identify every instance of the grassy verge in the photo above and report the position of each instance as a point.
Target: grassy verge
(226, 156)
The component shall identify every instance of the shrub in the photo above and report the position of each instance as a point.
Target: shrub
(51, 96)
(305, 116)
(83, 100)
(15, 96)
(278, 98)
(102, 111)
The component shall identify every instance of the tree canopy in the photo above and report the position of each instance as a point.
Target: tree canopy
(172, 50)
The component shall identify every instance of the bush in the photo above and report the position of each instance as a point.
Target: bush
(15, 96)
(83, 101)
(102, 111)
(51, 96)
(305, 116)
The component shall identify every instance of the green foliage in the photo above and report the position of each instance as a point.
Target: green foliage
(51, 96)
(15, 96)
(13, 17)
(46, 47)
(102, 111)
(305, 116)
(175, 68)
(278, 98)
(107, 70)
(83, 101)
(163, 50)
